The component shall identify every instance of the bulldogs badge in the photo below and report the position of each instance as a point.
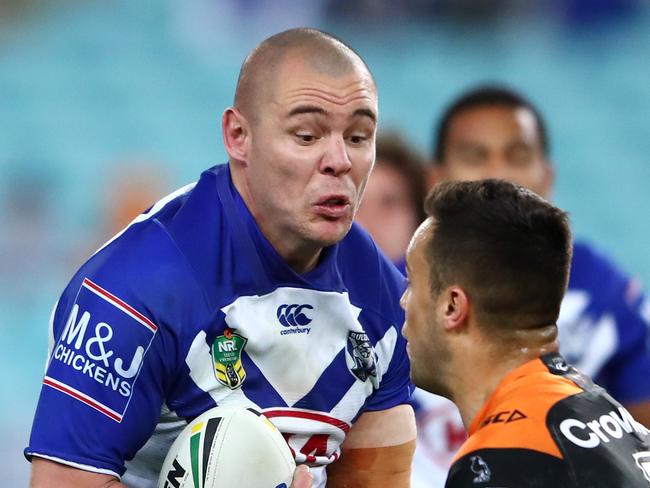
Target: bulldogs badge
(364, 358)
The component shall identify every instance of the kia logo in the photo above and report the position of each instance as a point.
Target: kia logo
(292, 315)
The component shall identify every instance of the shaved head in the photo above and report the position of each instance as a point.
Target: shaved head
(301, 140)
(320, 51)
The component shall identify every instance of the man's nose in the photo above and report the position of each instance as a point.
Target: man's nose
(498, 168)
(336, 160)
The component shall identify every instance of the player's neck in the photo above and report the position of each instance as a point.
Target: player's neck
(302, 259)
(301, 256)
(483, 364)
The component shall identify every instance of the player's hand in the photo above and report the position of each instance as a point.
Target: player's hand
(302, 478)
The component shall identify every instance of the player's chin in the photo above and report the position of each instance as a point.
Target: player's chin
(329, 232)
(419, 371)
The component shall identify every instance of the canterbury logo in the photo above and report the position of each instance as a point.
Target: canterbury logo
(294, 314)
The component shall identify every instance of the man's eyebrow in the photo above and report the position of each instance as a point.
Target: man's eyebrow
(313, 109)
(365, 112)
(307, 109)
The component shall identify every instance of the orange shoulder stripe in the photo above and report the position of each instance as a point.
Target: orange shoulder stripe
(515, 415)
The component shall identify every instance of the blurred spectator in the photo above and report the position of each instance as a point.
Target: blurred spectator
(575, 12)
(134, 186)
(34, 257)
(392, 206)
(590, 12)
(31, 247)
(385, 11)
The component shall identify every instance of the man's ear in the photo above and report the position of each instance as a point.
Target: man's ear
(236, 134)
(455, 308)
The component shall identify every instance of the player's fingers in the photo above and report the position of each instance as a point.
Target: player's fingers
(302, 478)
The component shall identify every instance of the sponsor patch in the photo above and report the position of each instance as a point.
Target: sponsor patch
(504, 417)
(294, 318)
(605, 428)
(226, 358)
(100, 353)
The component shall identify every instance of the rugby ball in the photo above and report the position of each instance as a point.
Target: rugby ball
(228, 447)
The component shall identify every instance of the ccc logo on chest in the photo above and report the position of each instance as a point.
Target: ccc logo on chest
(293, 315)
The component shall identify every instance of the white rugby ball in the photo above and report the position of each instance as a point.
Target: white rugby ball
(228, 447)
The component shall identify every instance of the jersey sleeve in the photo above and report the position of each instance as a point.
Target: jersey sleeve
(395, 387)
(627, 377)
(115, 354)
(615, 298)
(509, 468)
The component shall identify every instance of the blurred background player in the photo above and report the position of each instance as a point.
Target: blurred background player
(392, 206)
(487, 272)
(494, 132)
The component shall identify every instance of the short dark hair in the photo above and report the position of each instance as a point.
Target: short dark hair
(393, 151)
(506, 246)
(490, 95)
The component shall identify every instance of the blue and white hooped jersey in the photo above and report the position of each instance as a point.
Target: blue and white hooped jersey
(604, 328)
(190, 307)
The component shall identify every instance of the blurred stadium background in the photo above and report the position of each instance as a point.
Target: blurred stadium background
(105, 106)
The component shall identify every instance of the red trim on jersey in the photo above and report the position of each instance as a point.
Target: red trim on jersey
(301, 414)
(116, 301)
(82, 398)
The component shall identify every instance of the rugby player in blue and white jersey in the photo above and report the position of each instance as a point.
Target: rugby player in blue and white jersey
(494, 132)
(251, 287)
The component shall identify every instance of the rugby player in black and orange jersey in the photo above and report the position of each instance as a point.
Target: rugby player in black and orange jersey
(487, 273)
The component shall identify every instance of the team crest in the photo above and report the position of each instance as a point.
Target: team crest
(226, 357)
(364, 358)
(480, 469)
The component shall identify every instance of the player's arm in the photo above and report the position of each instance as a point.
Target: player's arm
(377, 451)
(48, 474)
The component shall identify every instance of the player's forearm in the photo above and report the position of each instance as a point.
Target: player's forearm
(381, 467)
(48, 474)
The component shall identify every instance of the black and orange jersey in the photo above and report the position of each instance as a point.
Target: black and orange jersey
(547, 425)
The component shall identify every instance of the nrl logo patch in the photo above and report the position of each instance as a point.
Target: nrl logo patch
(226, 358)
(364, 358)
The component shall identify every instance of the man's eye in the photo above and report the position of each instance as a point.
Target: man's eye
(520, 156)
(307, 138)
(471, 155)
(357, 139)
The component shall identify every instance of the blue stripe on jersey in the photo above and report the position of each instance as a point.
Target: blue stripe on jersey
(257, 388)
(335, 381)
